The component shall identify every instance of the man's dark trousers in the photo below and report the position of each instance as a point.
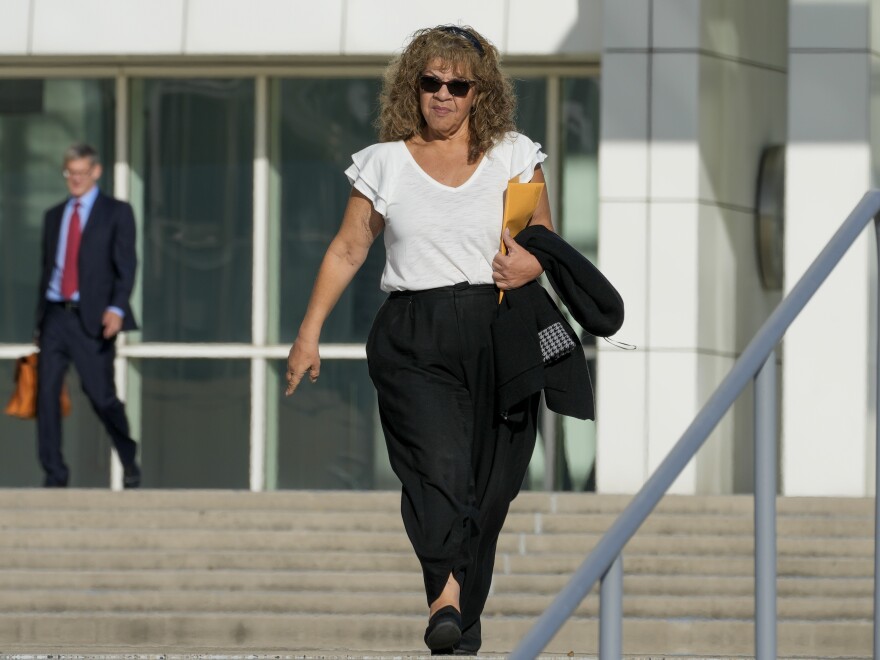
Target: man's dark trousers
(63, 340)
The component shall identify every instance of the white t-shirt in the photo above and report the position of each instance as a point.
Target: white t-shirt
(436, 235)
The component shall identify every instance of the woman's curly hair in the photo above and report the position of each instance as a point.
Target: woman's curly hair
(492, 114)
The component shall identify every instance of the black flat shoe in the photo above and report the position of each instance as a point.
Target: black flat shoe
(443, 631)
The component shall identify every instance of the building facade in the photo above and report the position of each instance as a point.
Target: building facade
(228, 125)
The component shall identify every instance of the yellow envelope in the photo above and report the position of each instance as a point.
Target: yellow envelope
(520, 202)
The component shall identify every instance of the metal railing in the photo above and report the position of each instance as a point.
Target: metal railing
(757, 361)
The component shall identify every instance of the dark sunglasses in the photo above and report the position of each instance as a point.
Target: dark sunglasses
(432, 84)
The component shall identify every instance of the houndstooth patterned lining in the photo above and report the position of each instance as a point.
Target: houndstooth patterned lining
(555, 342)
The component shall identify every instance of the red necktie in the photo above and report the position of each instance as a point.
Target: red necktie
(70, 276)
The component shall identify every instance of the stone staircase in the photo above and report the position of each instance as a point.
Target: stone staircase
(231, 572)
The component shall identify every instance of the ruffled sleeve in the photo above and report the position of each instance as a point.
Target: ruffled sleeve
(525, 157)
(371, 173)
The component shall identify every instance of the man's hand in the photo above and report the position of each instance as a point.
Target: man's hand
(112, 323)
(516, 268)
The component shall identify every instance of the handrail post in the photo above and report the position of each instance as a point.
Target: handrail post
(877, 450)
(765, 510)
(611, 612)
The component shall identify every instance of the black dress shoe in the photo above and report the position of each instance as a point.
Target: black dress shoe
(471, 640)
(131, 476)
(443, 631)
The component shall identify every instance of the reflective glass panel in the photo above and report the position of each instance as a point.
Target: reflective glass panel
(194, 421)
(320, 124)
(531, 109)
(580, 171)
(579, 225)
(328, 433)
(20, 466)
(39, 119)
(85, 444)
(193, 170)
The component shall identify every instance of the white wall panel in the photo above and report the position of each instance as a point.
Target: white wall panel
(120, 27)
(573, 27)
(741, 112)
(826, 367)
(382, 28)
(673, 290)
(264, 26)
(756, 32)
(14, 26)
(625, 25)
(733, 303)
(675, 156)
(621, 421)
(715, 459)
(623, 164)
(828, 97)
(677, 24)
(623, 258)
(719, 253)
(673, 398)
(825, 24)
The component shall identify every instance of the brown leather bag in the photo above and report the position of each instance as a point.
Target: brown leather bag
(23, 403)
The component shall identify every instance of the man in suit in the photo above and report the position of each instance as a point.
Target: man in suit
(88, 270)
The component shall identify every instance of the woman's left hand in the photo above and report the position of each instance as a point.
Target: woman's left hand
(516, 268)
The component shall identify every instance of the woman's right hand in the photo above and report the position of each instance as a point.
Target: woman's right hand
(303, 359)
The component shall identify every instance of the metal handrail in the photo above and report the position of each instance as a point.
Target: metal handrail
(752, 361)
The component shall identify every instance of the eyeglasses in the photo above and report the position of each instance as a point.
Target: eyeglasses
(457, 87)
(76, 174)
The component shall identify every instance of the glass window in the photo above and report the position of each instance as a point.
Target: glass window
(579, 225)
(531, 109)
(39, 119)
(320, 124)
(193, 159)
(580, 172)
(20, 465)
(327, 435)
(328, 432)
(195, 423)
(85, 444)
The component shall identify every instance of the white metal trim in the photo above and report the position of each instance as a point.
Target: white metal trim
(260, 212)
(121, 190)
(260, 280)
(15, 351)
(258, 425)
(212, 351)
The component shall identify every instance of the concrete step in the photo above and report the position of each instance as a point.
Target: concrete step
(389, 521)
(319, 501)
(406, 602)
(345, 634)
(506, 563)
(365, 581)
(521, 543)
(334, 572)
(814, 567)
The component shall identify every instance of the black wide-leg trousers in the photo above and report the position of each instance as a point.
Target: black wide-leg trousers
(460, 464)
(63, 340)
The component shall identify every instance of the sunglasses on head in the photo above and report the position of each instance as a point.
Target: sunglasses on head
(457, 87)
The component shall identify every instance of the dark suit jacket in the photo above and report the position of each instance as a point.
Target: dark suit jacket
(107, 262)
(518, 364)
